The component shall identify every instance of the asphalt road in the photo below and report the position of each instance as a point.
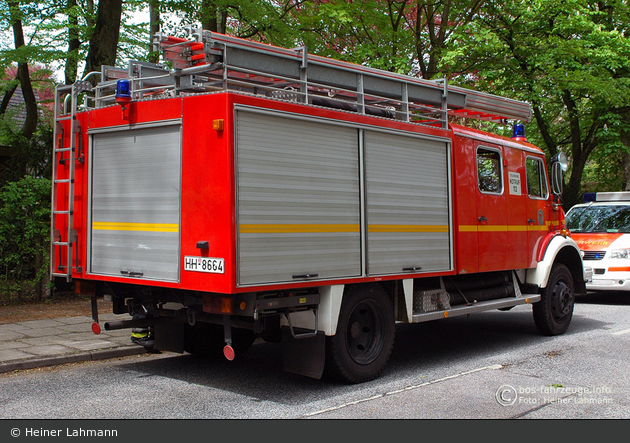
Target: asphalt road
(488, 366)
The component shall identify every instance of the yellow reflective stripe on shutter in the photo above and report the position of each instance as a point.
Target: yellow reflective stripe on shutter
(120, 226)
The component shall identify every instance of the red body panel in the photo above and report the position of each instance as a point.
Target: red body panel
(208, 190)
(492, 230)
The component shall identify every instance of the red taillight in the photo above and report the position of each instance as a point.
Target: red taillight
(229, 353)
(217, 305)
(96, 328)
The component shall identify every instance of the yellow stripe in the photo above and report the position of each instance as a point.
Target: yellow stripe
(408, 228)
(538, 228)
(315, 228)
(119, 226)
(295, 228)
(517, 228)
(501, 228)
(492, 228)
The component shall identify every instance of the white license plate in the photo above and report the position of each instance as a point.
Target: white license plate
(204, 264)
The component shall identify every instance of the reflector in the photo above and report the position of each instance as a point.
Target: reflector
(229, 353)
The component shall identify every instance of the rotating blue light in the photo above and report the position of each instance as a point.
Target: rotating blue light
(123, 92)
(518, 131)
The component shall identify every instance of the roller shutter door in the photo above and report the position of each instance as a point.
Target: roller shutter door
(297, 199)
(136, 203)
(407, 204)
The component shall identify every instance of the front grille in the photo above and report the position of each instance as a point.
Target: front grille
(594, 255)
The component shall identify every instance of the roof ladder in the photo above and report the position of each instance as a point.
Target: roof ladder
(63, 235)
(209, 61)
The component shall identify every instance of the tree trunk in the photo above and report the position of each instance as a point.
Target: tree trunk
(104, 41)
(7, 98)
(625, 140)
(23, 75)
(73, 43)
(213, 18)
(154, 28)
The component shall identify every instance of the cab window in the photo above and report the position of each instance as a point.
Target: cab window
(489, 177)
(536, 178)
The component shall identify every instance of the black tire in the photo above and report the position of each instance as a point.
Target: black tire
(207, 340)
(360, 349)
(553, 313)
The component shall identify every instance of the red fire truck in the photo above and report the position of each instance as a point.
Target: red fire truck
(240, 190)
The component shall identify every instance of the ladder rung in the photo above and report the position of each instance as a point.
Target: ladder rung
(59, 274)
(60, 243)
(62, 180)
(68, 117)
(61, 212)
(62, 149)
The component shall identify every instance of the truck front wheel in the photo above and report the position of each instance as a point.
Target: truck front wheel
(553, 313)
(361, 347)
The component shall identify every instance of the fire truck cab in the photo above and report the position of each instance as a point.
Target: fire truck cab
(249, 191)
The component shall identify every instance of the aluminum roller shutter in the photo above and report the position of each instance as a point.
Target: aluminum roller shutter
(136, 203)
(407, 203)
(298, 199)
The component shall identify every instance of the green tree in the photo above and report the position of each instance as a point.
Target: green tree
(24, 234)
(570, 59)
(396, 35)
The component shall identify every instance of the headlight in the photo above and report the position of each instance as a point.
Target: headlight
(620, 253)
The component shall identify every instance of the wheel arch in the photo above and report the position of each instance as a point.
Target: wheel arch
(560, 249)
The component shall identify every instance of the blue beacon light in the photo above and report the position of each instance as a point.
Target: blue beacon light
(518, 132)
(123, 92)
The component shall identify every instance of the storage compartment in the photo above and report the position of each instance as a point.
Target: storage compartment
(135, 203)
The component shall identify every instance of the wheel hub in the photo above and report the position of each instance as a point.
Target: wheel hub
(562, 300)
(363, 340)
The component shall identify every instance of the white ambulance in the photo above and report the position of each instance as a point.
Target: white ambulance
(601, 228)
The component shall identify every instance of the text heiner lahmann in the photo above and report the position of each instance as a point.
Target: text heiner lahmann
(31, 432)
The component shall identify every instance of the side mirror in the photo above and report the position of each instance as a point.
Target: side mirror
(557, 179)
(559, 165)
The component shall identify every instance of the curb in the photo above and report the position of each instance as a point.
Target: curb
(38, 362)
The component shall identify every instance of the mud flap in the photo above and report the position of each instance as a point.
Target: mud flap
(169, 336)
(304, 356)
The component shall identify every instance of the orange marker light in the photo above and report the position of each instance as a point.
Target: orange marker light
(217, 124)
(226, 305)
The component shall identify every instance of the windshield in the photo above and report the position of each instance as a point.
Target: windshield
(613, 218)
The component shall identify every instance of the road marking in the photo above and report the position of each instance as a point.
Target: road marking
(398, 391)
(625, 331)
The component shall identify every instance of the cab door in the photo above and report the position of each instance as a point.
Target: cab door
(491, 209)
(537, 212)
(516, 198)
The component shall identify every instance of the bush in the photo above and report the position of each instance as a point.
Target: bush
(24, 239)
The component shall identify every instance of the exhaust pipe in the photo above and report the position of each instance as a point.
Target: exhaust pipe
(139, 323)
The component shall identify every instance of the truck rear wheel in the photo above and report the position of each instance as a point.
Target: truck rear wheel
(360, 349)
(553, 313)
(207, 340)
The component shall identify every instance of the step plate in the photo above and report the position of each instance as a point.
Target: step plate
(477, 307)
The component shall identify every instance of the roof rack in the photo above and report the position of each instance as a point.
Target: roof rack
(209, 61)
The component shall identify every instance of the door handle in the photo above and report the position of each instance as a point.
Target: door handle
(530, 221)
(483, 220)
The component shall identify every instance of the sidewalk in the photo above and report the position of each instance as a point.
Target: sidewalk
(38, 343)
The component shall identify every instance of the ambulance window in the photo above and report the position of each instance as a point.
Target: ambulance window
(489, 171)
(536, 178)
(599, 218)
